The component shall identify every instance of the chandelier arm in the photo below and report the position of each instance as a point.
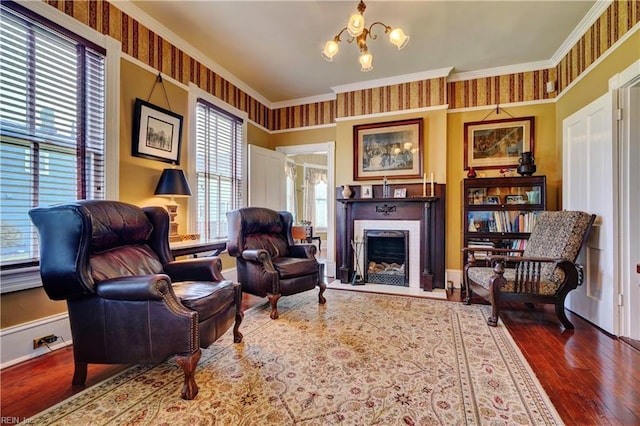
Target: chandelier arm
(337, 37)
(387, 29)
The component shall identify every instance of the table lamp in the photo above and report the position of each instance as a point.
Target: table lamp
(173, 183)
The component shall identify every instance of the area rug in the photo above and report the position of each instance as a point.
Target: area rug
(360, 359)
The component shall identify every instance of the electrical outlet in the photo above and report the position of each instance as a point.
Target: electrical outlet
(44, 340)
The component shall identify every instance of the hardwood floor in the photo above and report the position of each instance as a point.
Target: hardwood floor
(591, 378)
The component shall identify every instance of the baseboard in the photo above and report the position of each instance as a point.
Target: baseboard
(454, 278)
(16, 342)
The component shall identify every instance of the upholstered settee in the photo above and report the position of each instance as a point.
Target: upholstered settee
(269, 262)
(129, 301)
(545, 272)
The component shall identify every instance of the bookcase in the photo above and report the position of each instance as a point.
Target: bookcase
(500, 212)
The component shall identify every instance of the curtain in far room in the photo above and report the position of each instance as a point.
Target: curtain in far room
(291, 170)
(313, 177)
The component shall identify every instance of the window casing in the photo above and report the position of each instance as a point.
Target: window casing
(219, 175)
(52, 126)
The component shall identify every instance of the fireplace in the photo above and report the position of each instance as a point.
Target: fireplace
(422, 217)
(386, 257)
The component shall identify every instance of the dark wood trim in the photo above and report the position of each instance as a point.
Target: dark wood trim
(430, 211)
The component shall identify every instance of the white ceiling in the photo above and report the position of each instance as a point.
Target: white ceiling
(272, 48)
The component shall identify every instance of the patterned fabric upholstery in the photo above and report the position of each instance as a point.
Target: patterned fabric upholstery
(558, 234)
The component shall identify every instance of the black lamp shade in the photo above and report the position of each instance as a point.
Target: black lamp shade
(173, 182)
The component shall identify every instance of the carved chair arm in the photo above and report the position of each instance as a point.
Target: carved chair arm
(469, 252)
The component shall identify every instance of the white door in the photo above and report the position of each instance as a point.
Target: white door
(267, 179)
(629, 102)
(589, 184)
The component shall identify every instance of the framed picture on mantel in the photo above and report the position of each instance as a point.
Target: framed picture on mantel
(393, 150)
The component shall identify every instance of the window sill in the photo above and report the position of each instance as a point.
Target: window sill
(20, 279)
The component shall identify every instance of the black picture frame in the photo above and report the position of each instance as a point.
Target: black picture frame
(157, 133)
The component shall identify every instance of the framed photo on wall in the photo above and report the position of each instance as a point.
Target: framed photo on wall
(157, 133)
(497, 144)
(393, 149)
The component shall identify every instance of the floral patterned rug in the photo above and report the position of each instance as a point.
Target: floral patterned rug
(360, 359)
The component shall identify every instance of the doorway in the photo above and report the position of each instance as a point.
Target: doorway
(304, 157)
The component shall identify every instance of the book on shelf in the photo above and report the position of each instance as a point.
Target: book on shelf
(479, 254)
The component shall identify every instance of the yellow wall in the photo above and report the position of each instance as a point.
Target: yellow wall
(546, 161)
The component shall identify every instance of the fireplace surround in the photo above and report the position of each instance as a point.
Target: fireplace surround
(427, 213)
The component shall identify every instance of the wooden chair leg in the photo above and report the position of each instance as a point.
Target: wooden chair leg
(494, 298)
(562, 316)
(273, 299)
(323, 287)
(79, 373)
(188, 364)
(237, 336)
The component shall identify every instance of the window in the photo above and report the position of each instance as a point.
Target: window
(316, 196)
(52, 126)
(219, 139)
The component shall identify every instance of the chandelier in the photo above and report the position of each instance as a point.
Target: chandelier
(359, 32)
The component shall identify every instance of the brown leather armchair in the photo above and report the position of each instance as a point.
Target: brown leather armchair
(129, 301)
(269, 263)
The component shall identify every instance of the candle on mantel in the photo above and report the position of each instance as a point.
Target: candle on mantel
(424, 184)
(431, 184)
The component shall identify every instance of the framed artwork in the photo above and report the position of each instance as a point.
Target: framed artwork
(497, 144)
(477, 196)
(400, 193)
(366, 191)
(157, 133)
(515, 199)
(493, 199)
(393, 150)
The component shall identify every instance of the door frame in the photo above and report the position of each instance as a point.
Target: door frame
(329, 148)
(628, 134)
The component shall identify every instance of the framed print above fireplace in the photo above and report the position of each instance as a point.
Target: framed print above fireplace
(393, 150)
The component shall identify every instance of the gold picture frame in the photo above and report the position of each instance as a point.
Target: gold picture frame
(497, 144)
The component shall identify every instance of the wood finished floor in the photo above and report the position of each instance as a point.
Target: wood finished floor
(591, 378)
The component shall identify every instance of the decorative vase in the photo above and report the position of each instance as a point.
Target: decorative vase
(346, 191)
(526, 166)
(471, 173)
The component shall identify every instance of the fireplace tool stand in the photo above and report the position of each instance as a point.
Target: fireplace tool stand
(357, 278)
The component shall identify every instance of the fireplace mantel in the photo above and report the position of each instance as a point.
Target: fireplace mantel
(429, 211)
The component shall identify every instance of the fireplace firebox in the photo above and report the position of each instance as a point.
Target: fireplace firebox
(386, 257)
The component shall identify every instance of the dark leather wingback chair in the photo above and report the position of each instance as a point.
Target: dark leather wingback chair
(269, 263)
(129, 301)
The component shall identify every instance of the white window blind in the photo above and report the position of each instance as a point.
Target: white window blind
(52, 129)
(218, 168)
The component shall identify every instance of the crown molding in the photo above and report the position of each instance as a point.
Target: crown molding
(493, 72)
(399, 79)
(587, 21)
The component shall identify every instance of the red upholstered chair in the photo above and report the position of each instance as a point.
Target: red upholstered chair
(269, 262)
(129, 301)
